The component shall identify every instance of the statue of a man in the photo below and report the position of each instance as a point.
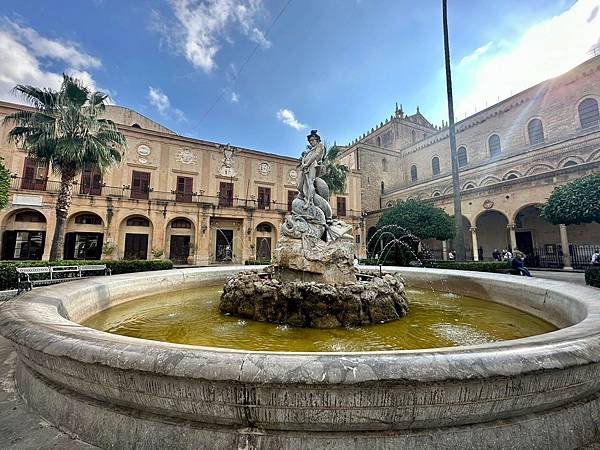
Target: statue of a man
(310, 168)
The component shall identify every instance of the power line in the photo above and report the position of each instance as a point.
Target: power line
(244, 64)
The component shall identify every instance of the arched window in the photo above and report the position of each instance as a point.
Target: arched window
(88, 219)
(382, 186)
(136, 125)
(536, 132)
(378, 141)
(30, 216)
(512, 176)
(181, 223)
(384, 164)
(570, 163)
(469, 186)
(435, 165)
(461, 156)
(264, 228)
(494, 145)
(588, 113)
(138, 221)
(436, 194)
(414, 136)
(413, 173)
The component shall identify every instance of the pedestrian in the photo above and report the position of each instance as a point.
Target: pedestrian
(451, 255)
(596, 258)
(496, 255)
(517, 263)
(507, 255)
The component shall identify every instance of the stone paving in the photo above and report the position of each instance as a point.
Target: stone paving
(21, 428)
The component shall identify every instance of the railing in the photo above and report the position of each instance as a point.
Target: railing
(551, 256)
(125, 192)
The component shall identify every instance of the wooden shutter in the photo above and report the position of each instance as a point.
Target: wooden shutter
(184, 189)
(140, 185)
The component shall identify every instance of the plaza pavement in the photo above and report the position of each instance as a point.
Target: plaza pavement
(22, 429)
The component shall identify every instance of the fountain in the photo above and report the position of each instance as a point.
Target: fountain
(114, 391)
(313, 281)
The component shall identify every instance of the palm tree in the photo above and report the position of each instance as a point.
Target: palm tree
(64, 130)
(335, 173)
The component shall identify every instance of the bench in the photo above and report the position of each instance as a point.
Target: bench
(54, 274)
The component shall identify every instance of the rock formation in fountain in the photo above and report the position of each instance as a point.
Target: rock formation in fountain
(313, 281)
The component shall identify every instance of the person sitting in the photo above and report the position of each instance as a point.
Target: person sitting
(596, 258)
(517, 263)
(496, 255)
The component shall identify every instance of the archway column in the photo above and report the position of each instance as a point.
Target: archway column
(564, 242)
(474, 242)
(513, 236)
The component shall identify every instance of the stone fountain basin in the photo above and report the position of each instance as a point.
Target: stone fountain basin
(113, 390)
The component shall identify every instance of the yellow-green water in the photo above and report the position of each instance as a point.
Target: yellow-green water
(434, 320)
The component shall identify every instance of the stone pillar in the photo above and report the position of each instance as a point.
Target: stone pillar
(513, 236)
(564, 242)
(203, 241)
(475, 246)
(445, 250)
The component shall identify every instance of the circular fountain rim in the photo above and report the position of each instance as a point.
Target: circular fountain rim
(34, 321)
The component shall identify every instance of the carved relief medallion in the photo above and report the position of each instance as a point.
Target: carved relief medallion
(264, 168)
(488, 204)
(143, 152)
(292, 174)
(185, 156)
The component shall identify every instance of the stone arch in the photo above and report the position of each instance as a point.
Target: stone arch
(436, 193)
(539, 168)
(535, 236)
(135, 230)
(570, 160)
(265, 239)
(24, 234)
(389, 204)
(511, 175)
(587, 113)
(448, 190)
(492, 231)
(84, 235)
(468, 185)
(180, 239)
(594, 156)
(490, 180)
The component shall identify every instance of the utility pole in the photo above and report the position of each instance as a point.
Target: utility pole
(459, 240)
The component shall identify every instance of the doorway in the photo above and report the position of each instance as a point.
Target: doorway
(136, 246)
(263, 249)
(83, 245)
(25, 245)
(180, 249)
(525, 242)
(224, 245)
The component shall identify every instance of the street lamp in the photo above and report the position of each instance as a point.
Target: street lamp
(459, 240)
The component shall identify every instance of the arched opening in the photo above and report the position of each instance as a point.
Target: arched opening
(180, 239)
(136, 125)
(538, 239)
(461, 156)
(570, 163)
(512, 176)
(589, 117)
(435, 165)
(384, 165)
(413, 173)
(414, 136)
(492, 233)
(84, 236)
(469, 186)
(24, 235)
(535, 130)
(378, 141)
(494, 145)
(265, 236)
(135, 235)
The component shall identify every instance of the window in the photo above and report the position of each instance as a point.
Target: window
(435, 165)
(140, 185)
(436, 194)
(138, 221)
(264, 197)
(570, 163)
(588, 113)
(30, 216)
(184, 189)
(35, 175)
(88, 219)
(136, 125)
(341, 206)
(461, 156)
(384, 164)
(291, 197)
(469, 186)
(512, 176)
(225, 195)
(414, 136)
(494, 145)
(536, 132)
(264, 228)
(378, 141)
(181, 223)
(382, 186)
(413, 173)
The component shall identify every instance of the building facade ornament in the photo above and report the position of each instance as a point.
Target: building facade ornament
(143, 152)
(264, 168)
(228, 165)
(488, 204)
(186, 156)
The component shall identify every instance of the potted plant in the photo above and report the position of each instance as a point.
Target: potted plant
(108, 248)
(157, 253)
(190, 259)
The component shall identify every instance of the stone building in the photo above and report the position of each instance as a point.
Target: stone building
(171, 194)
(511, 156)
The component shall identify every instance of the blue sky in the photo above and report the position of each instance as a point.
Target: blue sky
(335, 65)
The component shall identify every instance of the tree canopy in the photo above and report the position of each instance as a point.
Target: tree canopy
(575, 202)
(421, 219)
(4, 184)
(335, 174)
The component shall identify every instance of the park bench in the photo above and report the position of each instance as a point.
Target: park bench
(53, 274)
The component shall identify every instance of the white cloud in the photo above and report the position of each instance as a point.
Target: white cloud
(234, 97)
(545, 50)
(288, 117)
(24, 61)
(162, 103)
(202, 25)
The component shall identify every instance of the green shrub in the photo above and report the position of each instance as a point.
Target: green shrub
(8, 272)
(592, 276)
(476, 266)
(257, 262)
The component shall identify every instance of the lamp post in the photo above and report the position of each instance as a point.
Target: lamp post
(459, 240)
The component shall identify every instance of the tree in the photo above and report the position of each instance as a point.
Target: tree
(335, 173)
(575, 202)
(4, 184)
(65, 130)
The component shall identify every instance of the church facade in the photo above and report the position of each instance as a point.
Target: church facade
(511, 156)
